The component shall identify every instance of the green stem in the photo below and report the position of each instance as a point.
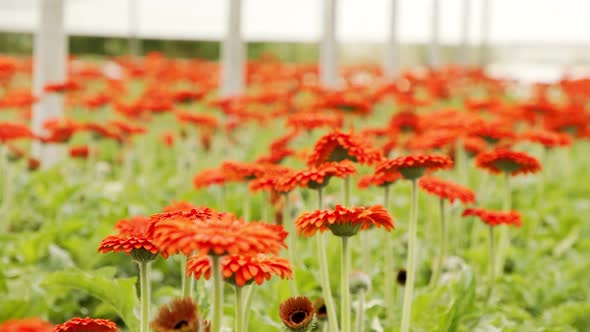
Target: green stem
(411, 262)
(223, 199)
(248, 305)
(246, 208)
(292, 242)
(239, 320)
(325, 275)
(187, 281)
(345, 284)
(347, 191)
(504, 242)
(491, 272)
(360, 312)
(217, 307)
(145, 296)
(325, 282)
(443, 243)
(389, 271)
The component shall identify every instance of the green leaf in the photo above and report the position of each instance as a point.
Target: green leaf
(119, 293)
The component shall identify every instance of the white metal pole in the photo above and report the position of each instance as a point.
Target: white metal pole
(328, 46)
(50, 54)
(133, 17)
(486, 19)
(232, 53)
(466, 14)
(392, 53)
(434, 54)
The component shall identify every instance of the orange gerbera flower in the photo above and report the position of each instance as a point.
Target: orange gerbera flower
(315, 177)
(198, 119)
(492, 132)
(12, 131)
(222, 234)
(242, 170)
(179, 206)
(81, 151)
(242, 270)
(414, 166)
(62, 87)
(338, 146)
(127, 128)
(133, 239)
(405, 121)
(209, 177)
(495, 218)
(271, 177)
(78, 324)
(548, 139)
(59, 130)
(381, 179)
(134, 226)
(26, 325)
(344, 221)
(309, 121)
(447, 190)
(508, 161)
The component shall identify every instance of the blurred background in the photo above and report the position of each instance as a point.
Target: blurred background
(532, 40)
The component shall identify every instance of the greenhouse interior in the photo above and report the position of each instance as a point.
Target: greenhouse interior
(294, 165)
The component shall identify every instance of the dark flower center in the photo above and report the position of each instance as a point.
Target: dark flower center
(180, 325)
(322, 310)
(298, 316)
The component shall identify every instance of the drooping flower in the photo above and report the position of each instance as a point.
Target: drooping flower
(26, 325)
(315, 177)
(447, 190)
(242, 270)
(508, 161)
(87, 324)
(181, 315)
(495, 218)
(414, 166)
(297, 314)
(339, 146)
(344, 221)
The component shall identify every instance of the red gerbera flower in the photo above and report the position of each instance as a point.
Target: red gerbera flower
(344, 221)
(221, 234)
(338, 146)
(87, 324)
(508, 161)
(494, 218)
(414, 166)
(198, 119)
(549, 139)
(405, 121)
(26, 325)
(12, 131)
(447, 190)
(134, 226)
(242, 270)
(381, 179)
(315, 177)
